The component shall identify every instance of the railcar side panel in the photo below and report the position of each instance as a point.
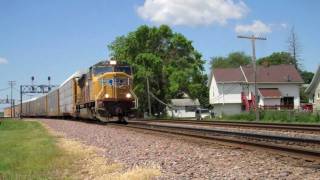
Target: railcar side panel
(53, 103)
(33, 108)
(67, 95)
(41, 106)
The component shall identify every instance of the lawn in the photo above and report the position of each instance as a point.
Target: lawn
(27, 150)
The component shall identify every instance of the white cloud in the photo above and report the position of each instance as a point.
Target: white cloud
(284, 25)
(257, 28)
(192, 12)
(3, 61)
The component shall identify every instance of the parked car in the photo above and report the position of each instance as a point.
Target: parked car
(202, 113)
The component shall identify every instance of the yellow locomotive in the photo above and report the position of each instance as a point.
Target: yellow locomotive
(102, 92)
(105, 92)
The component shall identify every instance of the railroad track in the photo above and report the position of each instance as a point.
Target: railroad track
(307, 148)
(314, 128)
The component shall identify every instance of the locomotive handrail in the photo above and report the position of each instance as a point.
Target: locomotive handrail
(136, 100)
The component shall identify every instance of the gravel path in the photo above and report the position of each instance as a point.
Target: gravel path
(181, 158)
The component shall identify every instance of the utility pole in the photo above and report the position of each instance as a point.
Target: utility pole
(222, 110)
(11, 83)
(253, 42)
(148, 91)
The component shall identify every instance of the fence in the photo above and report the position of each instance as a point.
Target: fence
(302, 108)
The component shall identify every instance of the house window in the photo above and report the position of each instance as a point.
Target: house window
(287, 102)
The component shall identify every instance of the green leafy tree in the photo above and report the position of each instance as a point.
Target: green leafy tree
(307, 76)
(168, 59)
(233, 60)
(277, 58)
(285, 58)
(304, 98)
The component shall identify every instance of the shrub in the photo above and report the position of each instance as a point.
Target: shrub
(289, 116)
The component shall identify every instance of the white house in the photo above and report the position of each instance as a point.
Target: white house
(313, 91)
(183, 108)
(232, 89)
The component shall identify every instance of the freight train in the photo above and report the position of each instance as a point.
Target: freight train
(103, 92)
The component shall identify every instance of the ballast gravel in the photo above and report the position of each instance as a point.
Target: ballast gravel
(184, 158)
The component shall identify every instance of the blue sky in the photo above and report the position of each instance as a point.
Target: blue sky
(41, 38)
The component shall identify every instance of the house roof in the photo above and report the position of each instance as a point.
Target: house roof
(228, 75)
(314, 83)
(284, 73)
(275, 74)
(185, 102)
(270, 92)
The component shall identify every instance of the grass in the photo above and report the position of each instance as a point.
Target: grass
(277, 116)
(29, 150)
(26, 150)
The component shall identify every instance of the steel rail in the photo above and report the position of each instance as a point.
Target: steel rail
(300, 127)
(236, 138)
(243, 134)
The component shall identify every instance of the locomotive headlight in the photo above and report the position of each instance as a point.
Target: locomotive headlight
(106, 95)
(128, 95)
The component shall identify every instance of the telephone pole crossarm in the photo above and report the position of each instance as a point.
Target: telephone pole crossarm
(252, 37)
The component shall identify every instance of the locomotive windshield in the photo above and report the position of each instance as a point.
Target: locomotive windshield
(105, 69)
(102, 69)
(125, 69)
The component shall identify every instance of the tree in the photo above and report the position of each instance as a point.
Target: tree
(277, 58)
(304, 98)
(307, 76)
(294, 47)
(233, 60)
(168, 59)
(285, 58)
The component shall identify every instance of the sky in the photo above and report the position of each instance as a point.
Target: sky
(44, 38)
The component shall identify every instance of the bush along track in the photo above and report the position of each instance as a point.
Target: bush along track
(277, 116)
